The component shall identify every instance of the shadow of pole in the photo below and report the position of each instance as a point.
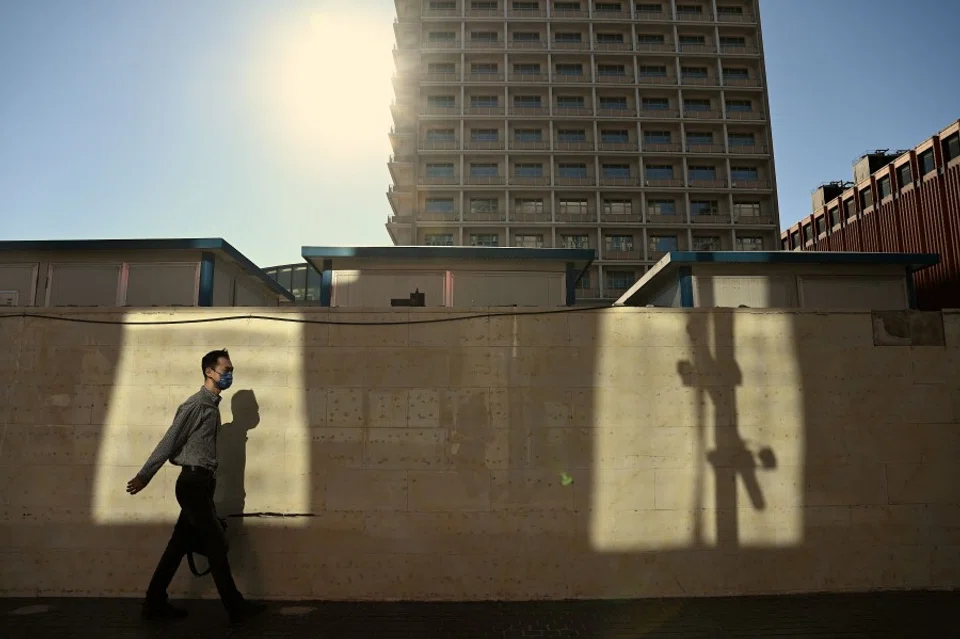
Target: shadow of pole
(716, 376)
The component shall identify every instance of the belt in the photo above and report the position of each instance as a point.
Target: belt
(197, 469)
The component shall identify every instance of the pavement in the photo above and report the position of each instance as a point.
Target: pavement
(903, 615)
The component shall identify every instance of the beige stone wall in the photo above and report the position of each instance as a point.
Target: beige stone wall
(616, 453)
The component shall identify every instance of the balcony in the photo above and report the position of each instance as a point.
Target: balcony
(569, 78)
(439, 45)
(623, 14)
(485, 145)
(529, 145)
(714, 183)
(527, 13)
(618, 147)
(654, 219)
(755, 185)
(737, 18)
(563, 145)
(652, 16)
(529, 180)
(529, 77)
(577, 218)
(741, 82)
(631, 255)
(620, 218)
(667, 46)
(426, 76)
(573, 181)
(613, 46)
(660, 114)
(485, 180)
(714, 220)
(704, 47)
(663, 183)
(663, 80)
(703, 16)
(624, 78)
(485, 78)
(572, 111)
(484, 216)
(484, 13)
(587, 294)
(485, 45)
(739, 49)
(539, 217)
(746, 115)
(570, 46)
(527, 45)
(670, 147)
(435, 180)
(702, 115)
(437, 216)
(529, 110)
(611, 292)
(427, 12)
(619, 181)
(705, 148)
(606, 112)
(440, 110)
(483, 110)
(439, 145)
(566, 14)
(699, 81)
(754, 220)
(748, 149)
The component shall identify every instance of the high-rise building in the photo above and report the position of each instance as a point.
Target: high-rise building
(631, 129)
(898, 202)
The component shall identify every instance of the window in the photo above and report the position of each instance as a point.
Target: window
(484, 5)
(649, 71)
(608, 6)
(834, 215)
(442, 67)
(526, 36)
(611, 70)
(483, 170)
(951, 147)
(694, 72)
(696, 104)
(528, 135)
(821, 225)
(566, 6)
(927, 162)
(527, 101)
(866, 198)
(849, 208)
(657, 137)
(618, 242)
(526, 68)
(484, 36)
(749, 243)
(883, 187)
(659, 172)
(569, 69)
(739, 106)
(484, 205)
(441, 36)
(729, 11)
(742, 139)
(570, 102)
(528, 170)
(619, 280)
(441, 101)
(703, 172)
(689, 9)
(438, 239)
(904, 175)
(616, 38)
(439, 205)
(744, 174)
(567, 37)
(573, 207)
(565, 170)
(440, 170)
(616, 171)
(662, 243)
(617, 207)
(484, 101)
(699, 138)
(651, 38)
(575, 241)
(733, 41)
(583, 284)
(661, 207)
(736, 73)
(484, 135)
(442, 5)
(746, 209)
(704, 207)
(484, 239)
(571, 135)
(656, 104)
(484, 68)
(795, 238)
(692, 39)
(614, 103)
(807, 233)
(706, 243)
(520, 5)
(528, 241)
(441, 135)
(528, 205)
(649, 7)
(615, 136)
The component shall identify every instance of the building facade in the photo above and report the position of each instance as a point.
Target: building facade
(904, 202)
(633, 129)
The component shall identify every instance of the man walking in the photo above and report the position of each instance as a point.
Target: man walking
(191, 443)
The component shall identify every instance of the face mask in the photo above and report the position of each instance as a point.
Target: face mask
(225, 381)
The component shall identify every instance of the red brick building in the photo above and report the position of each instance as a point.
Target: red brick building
(904, 202)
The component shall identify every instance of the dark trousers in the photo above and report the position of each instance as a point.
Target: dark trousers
(198, 521)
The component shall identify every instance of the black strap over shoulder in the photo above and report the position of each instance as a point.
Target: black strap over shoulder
(199, 549)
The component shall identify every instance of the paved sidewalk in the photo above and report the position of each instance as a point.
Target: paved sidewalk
(901, 615)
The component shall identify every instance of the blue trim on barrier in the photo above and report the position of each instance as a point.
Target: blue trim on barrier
(326, 283)
(572, 279)
(686, 287)
(208, 263)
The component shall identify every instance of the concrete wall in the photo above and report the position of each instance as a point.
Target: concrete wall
(617, 453)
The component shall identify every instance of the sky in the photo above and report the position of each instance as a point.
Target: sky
(266, 123)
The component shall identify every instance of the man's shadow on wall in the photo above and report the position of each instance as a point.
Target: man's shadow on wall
(231, 494)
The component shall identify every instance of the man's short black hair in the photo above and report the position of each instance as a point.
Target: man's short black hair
(210, 359)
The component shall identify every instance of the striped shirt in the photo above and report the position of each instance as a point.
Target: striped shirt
(192, 438)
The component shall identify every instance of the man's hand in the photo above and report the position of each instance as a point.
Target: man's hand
(135, 485)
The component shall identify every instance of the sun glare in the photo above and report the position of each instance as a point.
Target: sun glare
(324, 85)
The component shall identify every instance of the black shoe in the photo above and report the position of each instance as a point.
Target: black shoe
(162, 610)
(246, 610)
